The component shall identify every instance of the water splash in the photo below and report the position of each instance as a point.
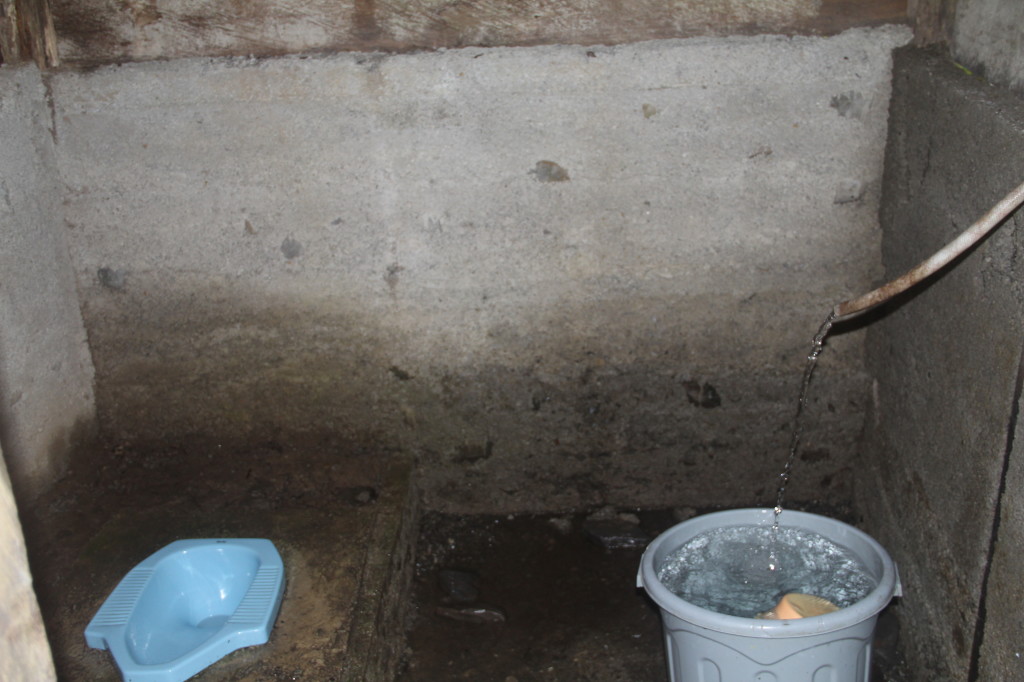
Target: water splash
(723, 570)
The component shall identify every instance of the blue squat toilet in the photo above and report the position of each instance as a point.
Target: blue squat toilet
(188, 605)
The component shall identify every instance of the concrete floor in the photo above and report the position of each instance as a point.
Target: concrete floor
(572, 610)
(344, 519)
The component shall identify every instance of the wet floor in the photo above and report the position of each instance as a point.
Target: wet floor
(539, 598)
(570, 608)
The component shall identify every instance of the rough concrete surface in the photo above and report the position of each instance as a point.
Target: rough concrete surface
(563, 275)
(1002, 651)
(46, 371)
(946, 361)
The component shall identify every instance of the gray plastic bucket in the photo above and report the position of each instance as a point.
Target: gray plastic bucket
(705, 646)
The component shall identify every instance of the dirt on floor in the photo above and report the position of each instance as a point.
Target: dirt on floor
(319, 500)
(544, 599)
(568, 608)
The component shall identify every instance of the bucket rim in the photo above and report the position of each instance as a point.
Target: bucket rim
(857, 613)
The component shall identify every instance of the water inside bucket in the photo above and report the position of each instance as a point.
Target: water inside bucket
(727, 569)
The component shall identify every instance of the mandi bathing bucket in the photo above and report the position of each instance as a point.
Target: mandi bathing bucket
(705, 646)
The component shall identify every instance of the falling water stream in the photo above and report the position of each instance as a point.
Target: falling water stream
(817, 345)
(742, 570)
(937, 261)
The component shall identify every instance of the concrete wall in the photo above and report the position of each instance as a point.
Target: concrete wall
(563, 275)
(46, 396)
(1000, 653)
(988, 36)
(45, 371)
(940, 464)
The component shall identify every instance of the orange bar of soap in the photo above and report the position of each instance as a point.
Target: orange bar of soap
(796, 605)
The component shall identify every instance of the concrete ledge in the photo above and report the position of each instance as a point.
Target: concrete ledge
(380, 616)
(343, 519)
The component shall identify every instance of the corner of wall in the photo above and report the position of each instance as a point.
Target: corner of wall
(988, 36)
(935, 469)
(46, 372)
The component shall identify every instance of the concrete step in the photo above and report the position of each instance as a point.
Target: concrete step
(342, 516)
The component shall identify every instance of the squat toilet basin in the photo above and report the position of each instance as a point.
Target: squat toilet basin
(188, 605)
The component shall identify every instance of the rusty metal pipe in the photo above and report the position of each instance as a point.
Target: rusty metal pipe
(937, 261)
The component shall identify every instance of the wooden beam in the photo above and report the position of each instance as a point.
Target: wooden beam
(24, 651)
(27, 33)
(9, 52)
(104, 31)
(933, 20)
